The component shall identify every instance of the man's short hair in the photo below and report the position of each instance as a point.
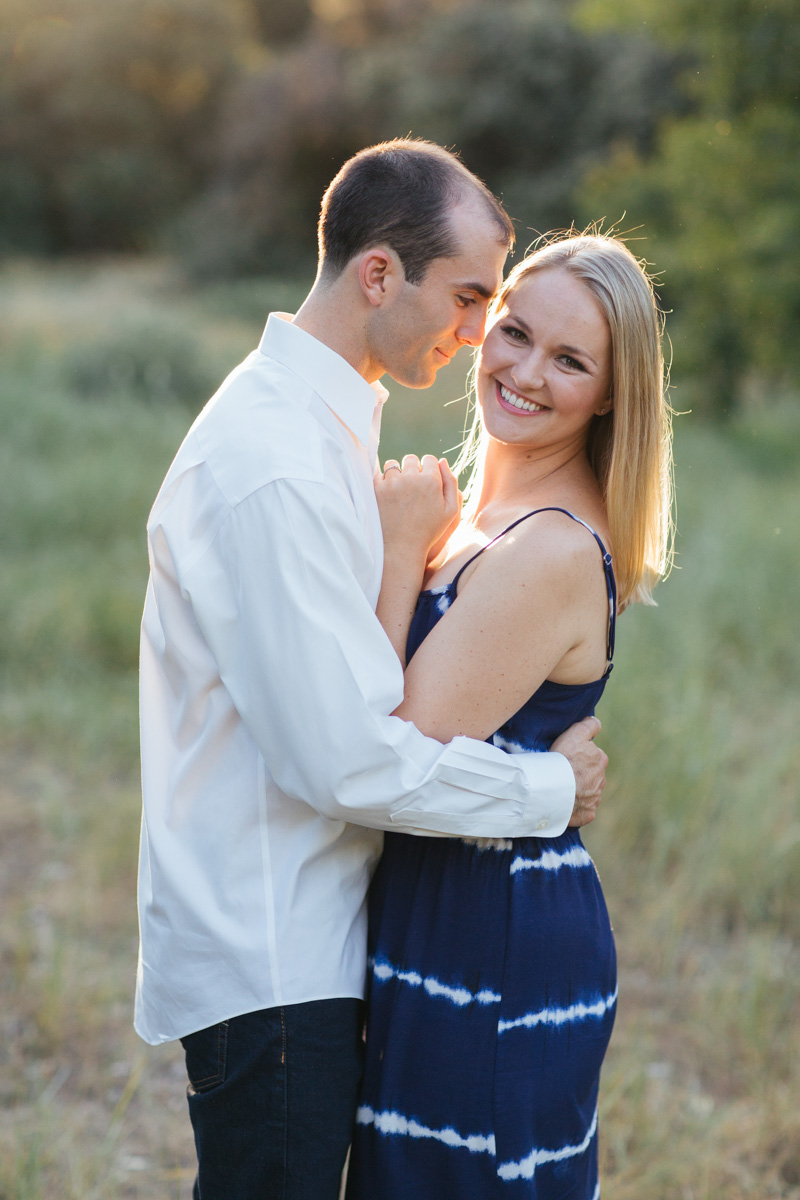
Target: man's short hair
(400, 194)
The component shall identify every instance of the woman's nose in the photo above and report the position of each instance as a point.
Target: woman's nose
(529, 372)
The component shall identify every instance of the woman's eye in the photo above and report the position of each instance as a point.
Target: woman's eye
(515, 334)
(572, 362)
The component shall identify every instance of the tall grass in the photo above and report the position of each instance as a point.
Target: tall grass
(702, 715)
(697, 842)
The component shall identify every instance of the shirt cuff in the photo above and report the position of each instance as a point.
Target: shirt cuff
(552, 794)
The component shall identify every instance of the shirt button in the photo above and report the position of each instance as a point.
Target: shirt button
(543, 824)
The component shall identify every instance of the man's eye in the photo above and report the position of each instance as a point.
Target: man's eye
(465, 301)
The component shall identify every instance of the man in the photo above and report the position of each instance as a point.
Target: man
(270, 762)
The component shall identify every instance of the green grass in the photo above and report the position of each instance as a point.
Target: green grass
(701, 714)
(697, 842)
(698, 845)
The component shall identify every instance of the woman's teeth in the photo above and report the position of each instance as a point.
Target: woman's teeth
(517, 401)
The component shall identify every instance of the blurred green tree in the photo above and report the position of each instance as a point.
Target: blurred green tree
(283, 133)
(104, 115)
(719, 196)
(279, 21)
(528, 100)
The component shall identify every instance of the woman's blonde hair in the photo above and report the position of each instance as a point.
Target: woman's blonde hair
(630, 449)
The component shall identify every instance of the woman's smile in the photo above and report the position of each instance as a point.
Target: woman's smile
(514, 402)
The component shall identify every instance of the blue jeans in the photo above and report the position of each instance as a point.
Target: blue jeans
(272, 1096)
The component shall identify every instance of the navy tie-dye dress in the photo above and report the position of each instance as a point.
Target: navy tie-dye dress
(491, 995)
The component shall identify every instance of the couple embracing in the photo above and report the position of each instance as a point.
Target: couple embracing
(300, 748)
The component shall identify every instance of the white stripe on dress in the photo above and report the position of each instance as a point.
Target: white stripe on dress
(396, 1123)
(551, 860)
(461, 996)
(561, 1016)
(526, 1167)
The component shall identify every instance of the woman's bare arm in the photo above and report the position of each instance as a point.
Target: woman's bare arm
(534, 603)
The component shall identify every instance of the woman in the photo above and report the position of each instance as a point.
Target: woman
(492, 985)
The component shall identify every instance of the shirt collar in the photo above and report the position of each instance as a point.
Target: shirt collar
(345, 392)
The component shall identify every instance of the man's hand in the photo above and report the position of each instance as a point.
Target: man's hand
(588, 764)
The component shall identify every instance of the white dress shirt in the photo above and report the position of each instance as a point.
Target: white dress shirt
(269, 761)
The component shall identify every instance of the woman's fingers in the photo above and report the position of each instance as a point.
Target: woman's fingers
(428, 465)
(419, 501)
(419, 480)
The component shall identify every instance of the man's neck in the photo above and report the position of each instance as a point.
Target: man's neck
(329, 315)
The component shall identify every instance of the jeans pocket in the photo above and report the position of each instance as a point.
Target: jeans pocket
(206, 1056)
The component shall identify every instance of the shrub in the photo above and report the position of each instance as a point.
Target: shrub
(157, 363)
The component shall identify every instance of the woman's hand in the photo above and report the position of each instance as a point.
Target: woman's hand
(419, 505)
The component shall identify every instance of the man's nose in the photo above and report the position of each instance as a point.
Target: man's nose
(472, 328)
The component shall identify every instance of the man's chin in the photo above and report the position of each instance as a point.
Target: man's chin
(417, 378)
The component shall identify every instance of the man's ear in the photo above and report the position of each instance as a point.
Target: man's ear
(379, 273)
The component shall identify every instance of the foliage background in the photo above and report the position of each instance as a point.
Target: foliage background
(161, 167)
(210, 128)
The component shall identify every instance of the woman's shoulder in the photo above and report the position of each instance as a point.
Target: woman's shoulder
(554, 536)
(546, 550)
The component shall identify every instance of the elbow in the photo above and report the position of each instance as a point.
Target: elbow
(426, 722)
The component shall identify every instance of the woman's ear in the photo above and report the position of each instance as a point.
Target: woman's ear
(379, 272)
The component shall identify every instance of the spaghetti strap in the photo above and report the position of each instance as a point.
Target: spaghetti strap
(611, 583)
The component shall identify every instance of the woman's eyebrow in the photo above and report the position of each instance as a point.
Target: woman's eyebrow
(578, 352)
(524, 326)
